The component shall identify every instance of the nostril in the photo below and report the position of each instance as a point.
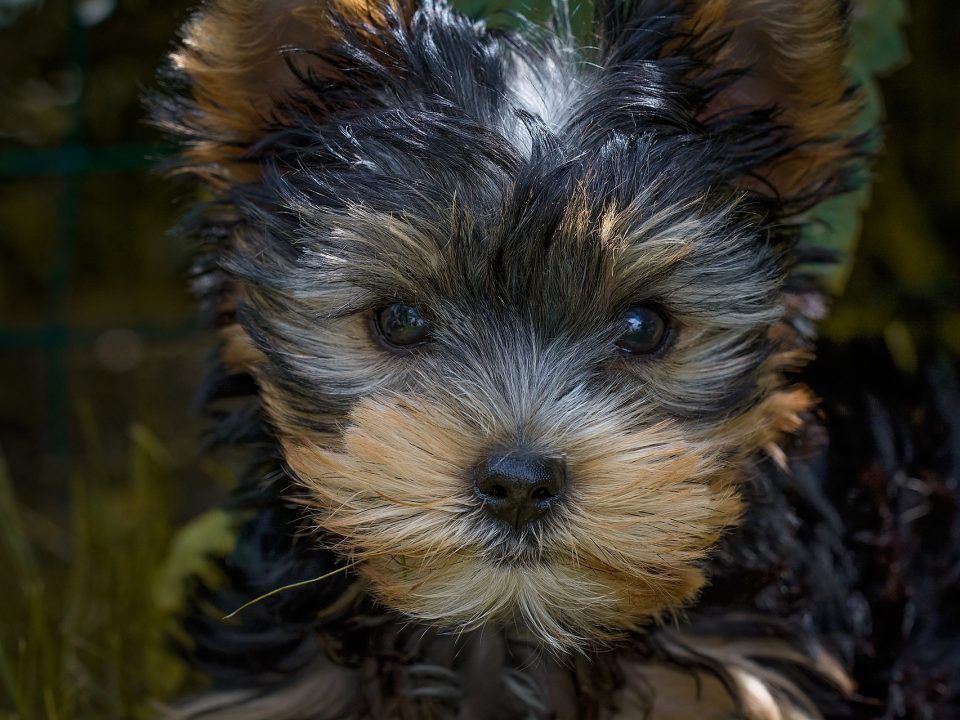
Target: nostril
(542, 494)
(497, 491)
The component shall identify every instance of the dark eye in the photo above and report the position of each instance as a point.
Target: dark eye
(400, 325)
(645, 330)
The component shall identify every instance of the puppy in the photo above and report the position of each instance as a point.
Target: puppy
(511, 326)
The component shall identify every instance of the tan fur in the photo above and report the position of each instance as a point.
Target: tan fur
(233, 54)
(752, 688)
(683, 695)
(237, 351)
(794, 53)
(645, 508)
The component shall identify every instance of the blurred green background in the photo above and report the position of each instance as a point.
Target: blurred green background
(101, 349)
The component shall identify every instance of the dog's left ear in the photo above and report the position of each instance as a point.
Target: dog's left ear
(250, 67)
(772, 70)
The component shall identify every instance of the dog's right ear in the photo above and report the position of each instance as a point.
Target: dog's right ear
(243, 73)
(250, 67)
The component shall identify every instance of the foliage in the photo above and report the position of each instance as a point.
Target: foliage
(87, 635)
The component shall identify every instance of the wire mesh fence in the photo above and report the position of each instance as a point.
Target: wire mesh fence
(93, 295)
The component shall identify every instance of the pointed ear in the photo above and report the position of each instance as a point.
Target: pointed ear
(775, 69)
(250, 66)
(245, 70)
(789, 55)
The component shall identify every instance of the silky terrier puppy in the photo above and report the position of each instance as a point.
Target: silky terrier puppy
(513, 327)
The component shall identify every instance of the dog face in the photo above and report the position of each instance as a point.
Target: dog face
(518, 320)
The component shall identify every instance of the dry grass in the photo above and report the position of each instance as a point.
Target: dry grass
(86, 635)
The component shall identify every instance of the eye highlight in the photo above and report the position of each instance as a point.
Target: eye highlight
(400, 326)
(645, 330)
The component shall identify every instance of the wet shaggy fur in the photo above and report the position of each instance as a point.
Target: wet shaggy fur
(523, 192)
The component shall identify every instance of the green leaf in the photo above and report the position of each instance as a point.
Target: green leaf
(192, 552)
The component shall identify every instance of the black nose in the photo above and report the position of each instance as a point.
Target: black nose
(519, 488)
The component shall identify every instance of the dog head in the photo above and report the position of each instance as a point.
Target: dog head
(518, 313)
